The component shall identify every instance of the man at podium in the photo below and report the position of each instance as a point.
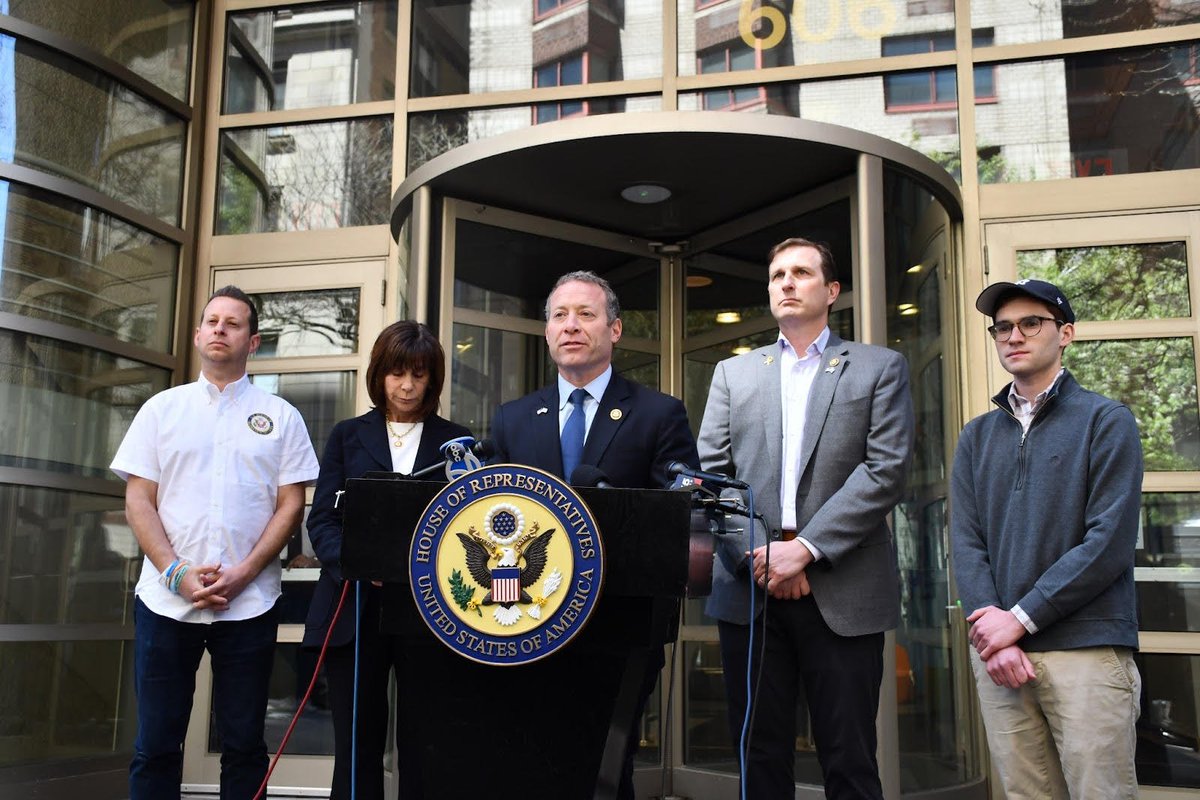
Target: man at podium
(593, 416)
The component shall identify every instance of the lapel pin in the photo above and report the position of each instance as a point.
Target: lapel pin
(541, 410)
(615, 414)
(768, 360)
(833, 362)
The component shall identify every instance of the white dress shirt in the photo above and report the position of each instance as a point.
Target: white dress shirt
(219, 458)
(796, 375)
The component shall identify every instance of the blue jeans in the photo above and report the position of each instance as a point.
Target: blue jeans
(166, 656)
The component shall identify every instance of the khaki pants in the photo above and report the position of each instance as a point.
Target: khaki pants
(1069, 733)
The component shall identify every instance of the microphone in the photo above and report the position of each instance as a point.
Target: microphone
(714, 478)
(461, 449)
(588, 475)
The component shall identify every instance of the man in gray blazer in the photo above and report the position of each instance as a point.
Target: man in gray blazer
(822, 431)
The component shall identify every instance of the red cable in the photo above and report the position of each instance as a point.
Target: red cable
(262, 790)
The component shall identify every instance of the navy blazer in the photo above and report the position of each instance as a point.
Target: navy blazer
(356, 446)
(635, 434)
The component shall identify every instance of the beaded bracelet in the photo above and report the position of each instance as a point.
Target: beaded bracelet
(165, 578)
(177, 578)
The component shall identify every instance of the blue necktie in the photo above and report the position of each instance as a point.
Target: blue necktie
(573, 434)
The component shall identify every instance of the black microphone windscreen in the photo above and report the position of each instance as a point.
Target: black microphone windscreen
(588, 475)
(484, 448)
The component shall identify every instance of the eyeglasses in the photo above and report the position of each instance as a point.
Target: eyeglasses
(1030, 326)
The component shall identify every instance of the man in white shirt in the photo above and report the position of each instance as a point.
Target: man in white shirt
(215, 473)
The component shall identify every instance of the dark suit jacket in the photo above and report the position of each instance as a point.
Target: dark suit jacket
(858, 439)
(356, 446)
(636, 433)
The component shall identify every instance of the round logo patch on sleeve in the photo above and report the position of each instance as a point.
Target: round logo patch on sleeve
(260, 423)
(506, 565)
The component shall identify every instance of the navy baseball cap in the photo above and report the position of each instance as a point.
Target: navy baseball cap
(989, 299)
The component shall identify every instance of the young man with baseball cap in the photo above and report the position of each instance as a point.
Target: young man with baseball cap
(1046, 495)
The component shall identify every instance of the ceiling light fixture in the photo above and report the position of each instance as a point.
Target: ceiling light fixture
(646, 193)
(698, 281)
(728, 317)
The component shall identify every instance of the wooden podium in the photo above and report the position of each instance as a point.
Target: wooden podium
(555, 728)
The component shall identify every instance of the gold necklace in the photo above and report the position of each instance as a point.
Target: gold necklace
(398, 438)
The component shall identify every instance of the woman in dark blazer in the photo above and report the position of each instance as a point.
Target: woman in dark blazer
(402, 433)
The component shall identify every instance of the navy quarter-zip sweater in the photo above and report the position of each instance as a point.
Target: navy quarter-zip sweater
(1048, 519)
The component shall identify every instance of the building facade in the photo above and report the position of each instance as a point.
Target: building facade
(352, 163)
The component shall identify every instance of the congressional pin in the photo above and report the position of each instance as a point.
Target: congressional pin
(615, 414)
(260, 423)
(833, 362)
(541, 411)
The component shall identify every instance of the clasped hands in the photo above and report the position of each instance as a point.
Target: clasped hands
(211, 586)
(994, 634)
(785, 579)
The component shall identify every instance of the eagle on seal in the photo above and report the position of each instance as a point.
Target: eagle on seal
(479, 552)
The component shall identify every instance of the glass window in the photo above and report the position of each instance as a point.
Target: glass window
(475, 46)
(64, 407)
(310, 55)
(105, 136)
(1106, 113)
(858, 103)
(323, 322)
(152, 38)
(1156, 378)
(323, 398)
(735, 57)
(910, 91)
(1168, 746)
(489, 367)
(305, 177)
(65, 700)
(510, 272)
(809, 32)
(1169, 593)
(70, 558)
(69, 263)
(433, 133)
(1129, 281)
(1018, 23)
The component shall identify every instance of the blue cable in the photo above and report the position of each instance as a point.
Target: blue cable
(354, 709)
(742, 754)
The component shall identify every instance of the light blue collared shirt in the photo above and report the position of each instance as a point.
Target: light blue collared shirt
(591, 403)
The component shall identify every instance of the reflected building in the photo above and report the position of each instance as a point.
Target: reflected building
(351, 163)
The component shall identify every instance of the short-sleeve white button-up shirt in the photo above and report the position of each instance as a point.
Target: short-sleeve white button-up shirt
(219, 458)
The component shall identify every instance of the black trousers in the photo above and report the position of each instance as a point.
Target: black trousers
(378, 653)
(840, 676)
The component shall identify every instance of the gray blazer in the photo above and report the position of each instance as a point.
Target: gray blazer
(858, 439)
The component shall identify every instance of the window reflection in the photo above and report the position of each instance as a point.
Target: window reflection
(1168, 748)
(1107, 113)
(462, 46)
(153, 38)
(1156, 378)
(70, 558)
(1036, 22)
(1169, 596)
(431, 134)
(307, 323)
(66, 262)
(65, 700)
(1130, 281)
(66, 407)
(305, 177)
(110, 138)
(311, 55)
(859, 103)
